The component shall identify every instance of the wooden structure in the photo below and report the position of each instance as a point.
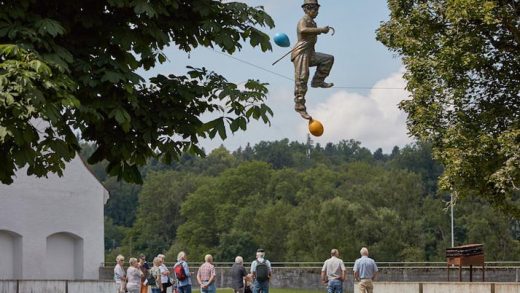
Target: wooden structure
(466, 255)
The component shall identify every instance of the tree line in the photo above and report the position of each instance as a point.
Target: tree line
(298, 200)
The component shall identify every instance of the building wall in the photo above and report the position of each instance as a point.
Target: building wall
(10, 250)
(57, 223)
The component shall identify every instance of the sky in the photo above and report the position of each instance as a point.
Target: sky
(367, 77)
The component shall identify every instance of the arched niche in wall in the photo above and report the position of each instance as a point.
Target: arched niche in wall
(64, 256)
(11, 253)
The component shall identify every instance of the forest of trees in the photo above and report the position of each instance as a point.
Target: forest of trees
(298, 201)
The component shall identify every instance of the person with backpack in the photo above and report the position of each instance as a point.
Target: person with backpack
(206, 275)
(261, 271)
(182, 273)
(154, 280)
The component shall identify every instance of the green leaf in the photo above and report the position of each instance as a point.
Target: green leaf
(131, 174)
(122, 117)
(56, 60)
(234, 125)
(49, 26)
(9, 50)
(63, 53)
(143, 7)
(97, 156)
(221, 128)
(4, 133)
(112, 76)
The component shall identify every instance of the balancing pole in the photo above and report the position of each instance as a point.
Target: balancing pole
(285, 55)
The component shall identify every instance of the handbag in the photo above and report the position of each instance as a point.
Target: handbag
(122, 287)
(167, 284)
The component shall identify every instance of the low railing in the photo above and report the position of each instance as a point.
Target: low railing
(56, 286)
(314, 265)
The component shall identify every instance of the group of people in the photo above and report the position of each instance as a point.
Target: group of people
(140, 276)
(333, 272)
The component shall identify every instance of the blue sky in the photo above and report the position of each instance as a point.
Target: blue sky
(368, 78)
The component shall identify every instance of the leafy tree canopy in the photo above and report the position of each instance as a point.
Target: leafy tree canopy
(73, 65)
(463, 71)
(231, 204)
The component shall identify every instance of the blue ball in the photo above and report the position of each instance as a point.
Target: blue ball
(282, 40)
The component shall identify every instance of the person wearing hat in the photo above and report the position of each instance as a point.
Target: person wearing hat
(304, 56)
(261, 271)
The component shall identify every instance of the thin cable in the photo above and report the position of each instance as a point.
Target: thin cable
(254, 65)
(291, 79)
(368, 88)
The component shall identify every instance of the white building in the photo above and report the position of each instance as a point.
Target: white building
(52, 228)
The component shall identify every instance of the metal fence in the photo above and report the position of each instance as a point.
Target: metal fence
(315, 265)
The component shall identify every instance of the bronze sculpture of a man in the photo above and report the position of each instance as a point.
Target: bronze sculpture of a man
(304, 56)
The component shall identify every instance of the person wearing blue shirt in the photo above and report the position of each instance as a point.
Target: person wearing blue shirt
(183, 286)
(365, 271)
(261, 271)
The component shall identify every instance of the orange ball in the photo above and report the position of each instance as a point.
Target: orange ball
(315, 127)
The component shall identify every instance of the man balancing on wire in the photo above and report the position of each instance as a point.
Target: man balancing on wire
(303, 56)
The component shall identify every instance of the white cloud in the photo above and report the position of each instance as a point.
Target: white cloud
(375, 120)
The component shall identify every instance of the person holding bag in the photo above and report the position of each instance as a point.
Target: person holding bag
(154, 280)
(120, 275)
(165, 275)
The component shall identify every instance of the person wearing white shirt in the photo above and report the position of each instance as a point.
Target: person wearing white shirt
(333, 272)
(165, 274)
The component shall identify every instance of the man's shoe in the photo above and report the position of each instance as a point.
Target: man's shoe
(304, 114)
(322, 84)
(300, 108)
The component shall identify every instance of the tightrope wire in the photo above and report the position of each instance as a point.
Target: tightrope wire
(291, 79)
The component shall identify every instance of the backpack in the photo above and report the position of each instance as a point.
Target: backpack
(179, 272)
(151, 280)
(262, 271)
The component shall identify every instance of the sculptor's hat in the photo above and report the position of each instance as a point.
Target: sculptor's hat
(310, 2)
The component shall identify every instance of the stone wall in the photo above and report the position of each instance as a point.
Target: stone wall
(42, 286)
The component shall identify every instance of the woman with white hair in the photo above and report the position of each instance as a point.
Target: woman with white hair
(155, 272)
(134, 275)
(238, 274)
(182, 273)
(119, 274)
(165, 274)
